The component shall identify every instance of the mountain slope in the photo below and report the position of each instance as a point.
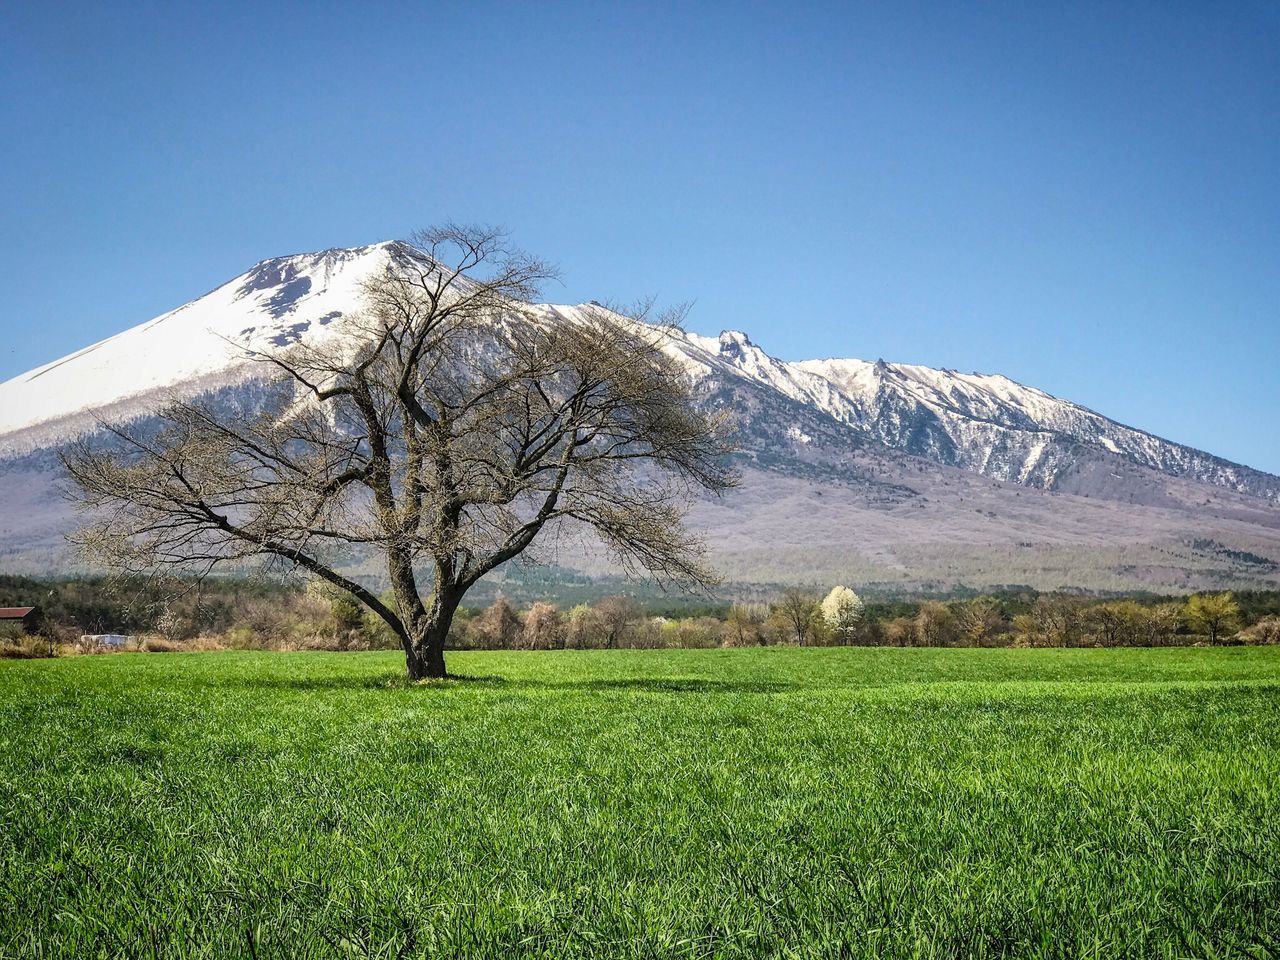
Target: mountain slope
(199, 345)
(986, 423)
(981, 422)
(893, 443)
(1003, 429)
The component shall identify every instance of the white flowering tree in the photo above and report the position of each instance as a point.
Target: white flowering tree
(841, 610)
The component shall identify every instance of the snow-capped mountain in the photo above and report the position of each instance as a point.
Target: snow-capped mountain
(914, 452)
(203, 344)
(980, 422)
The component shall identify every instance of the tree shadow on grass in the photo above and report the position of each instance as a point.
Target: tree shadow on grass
(672, 685)
(399, 682)
(637, 684)
(603, 684)
(337, 682)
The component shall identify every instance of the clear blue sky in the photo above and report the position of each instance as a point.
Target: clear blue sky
(1083, 196)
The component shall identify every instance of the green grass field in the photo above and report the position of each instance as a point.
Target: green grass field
(775, 802)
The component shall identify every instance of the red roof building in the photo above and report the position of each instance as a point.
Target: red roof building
(27, 616)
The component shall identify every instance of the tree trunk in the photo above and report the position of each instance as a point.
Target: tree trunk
(424, 655)
(425, 660)
(424, 630)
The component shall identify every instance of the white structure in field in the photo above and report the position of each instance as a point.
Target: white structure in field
(114, 641)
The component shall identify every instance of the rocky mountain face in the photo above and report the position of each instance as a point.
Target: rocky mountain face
(990, 462)
(981, 422)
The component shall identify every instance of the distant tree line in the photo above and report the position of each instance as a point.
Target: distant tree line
(244, 614)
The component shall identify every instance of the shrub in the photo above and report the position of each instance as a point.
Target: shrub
(644, 635)
(457, 639)
(578, 627)
(243, 638)
(1215, 614)
(497, 628)
(25, 647)
(1266, 630)
(379, 636)
(693, 632)
(935, 625)
(543, 628)
(744, 625)
(322, 644)
(616, 619)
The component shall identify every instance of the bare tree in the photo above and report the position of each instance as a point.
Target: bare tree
(1160, 623)
(543, 627)
(935, 625)
(797, 610)
(1055, 620)
(744, 624)
(978, 619)
(1116, 623)
(498, 626)
(616, 617)
(463, 424)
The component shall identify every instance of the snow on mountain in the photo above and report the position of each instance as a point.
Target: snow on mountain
(272, 305)
(987, 423)
(1003, 429)
(984, 423)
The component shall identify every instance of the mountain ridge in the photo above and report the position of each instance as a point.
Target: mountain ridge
(896, 456)
(989, 423)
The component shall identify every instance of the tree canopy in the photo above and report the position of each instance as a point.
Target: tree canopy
(453, 425)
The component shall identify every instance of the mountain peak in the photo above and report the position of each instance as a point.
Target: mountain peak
(278, 301)
(733, 343)
(981, 422)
